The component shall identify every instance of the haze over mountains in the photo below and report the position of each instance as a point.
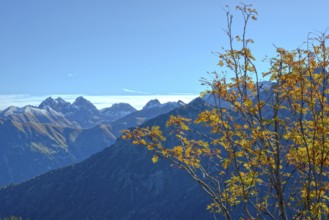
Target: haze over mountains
(57, 133)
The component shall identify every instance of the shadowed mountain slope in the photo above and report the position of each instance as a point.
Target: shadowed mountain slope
(30, 149)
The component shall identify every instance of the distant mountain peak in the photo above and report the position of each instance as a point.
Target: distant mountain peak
(52, 102)
(11, 110)
(47, 102)
(122, 105)
(58, 104)
(119, 107)
(180, 102)
(49, 99)
(152, 104)
(60, 100)
(81, 111)
(117, 110)
(81, 101)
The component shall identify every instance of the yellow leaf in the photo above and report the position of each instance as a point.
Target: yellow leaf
(142, 141)
(188, 152)
(248, 103)
(155, 158)
(184, 127)
(226, 163)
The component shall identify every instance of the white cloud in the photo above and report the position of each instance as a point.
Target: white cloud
(133, 91)
(138, 101)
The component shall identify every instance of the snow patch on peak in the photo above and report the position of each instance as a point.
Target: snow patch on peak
(58, 104)
(53, 102)
(59, 100)
(11, 110)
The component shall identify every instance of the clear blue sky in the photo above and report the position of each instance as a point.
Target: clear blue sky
(114, 47)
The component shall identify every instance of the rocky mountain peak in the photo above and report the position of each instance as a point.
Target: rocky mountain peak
(58, 104)
(81, 101)
(117, 111)
(122, 107)
(152, 104)
(47, 102)
(59, 100)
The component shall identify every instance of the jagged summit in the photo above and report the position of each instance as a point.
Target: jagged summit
(47, 102)
(81, 111)
(50, 101)
(152, 104)
(63, 106)
(58, 104)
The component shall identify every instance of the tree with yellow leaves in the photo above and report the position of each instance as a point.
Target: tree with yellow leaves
(266, 155)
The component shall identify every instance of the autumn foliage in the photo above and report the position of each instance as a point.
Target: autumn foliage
(266, 155)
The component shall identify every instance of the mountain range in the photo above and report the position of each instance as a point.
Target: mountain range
(84, 113)
(57, 133)
(119, 182)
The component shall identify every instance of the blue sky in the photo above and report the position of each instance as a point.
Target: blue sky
(129, 47)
